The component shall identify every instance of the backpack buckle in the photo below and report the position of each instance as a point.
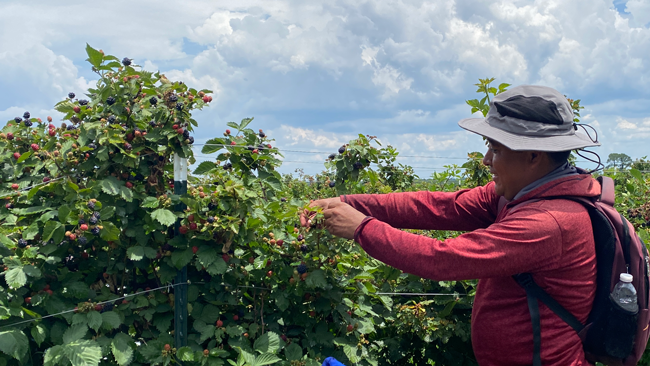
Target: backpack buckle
(524, 280)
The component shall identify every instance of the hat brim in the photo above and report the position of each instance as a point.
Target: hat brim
(524, 143)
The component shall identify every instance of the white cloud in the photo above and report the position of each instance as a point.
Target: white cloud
(640, 10)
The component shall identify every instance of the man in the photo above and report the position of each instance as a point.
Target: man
(530, 131)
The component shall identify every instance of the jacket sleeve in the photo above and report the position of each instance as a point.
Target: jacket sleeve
(525, 241)
(464, 210)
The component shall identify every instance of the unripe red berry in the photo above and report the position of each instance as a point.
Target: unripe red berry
(49, 119)
(206, 99)
(227, 132)
(350, 327)
(83, 227)
(235, 317)
(225, 257)
(193, 226)
(219, 324)
(16, 155)
(28, 300)
(233, 143)
(14, 186)
(76, 109)
(195, 249)
(129, 185)
(168, 347)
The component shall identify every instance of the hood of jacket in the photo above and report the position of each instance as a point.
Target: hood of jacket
(581, 185)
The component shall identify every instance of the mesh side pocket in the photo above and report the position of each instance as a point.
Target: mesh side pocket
(613, 333)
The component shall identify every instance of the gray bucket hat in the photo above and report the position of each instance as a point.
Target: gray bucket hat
(530, 117)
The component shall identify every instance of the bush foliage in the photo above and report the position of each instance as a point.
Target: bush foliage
(90, 249)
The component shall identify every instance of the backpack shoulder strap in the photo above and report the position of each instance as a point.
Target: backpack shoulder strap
(607, 194)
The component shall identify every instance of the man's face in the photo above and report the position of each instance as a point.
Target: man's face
(509, 169)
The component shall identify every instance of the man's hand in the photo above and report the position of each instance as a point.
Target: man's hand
(307, 215)
(342, 220)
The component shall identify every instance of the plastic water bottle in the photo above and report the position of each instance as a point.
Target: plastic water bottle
(625, 293)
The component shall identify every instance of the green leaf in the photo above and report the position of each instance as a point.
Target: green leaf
(111, 320)
(267, 342)
(266, 359)
(14, 343)
(181, 258)
(83, 353)
(24, 157)
(316, 279)
(31, 231)
(32, 271)
(353, 353)
(164, 216)
(39, 333)
(185, 354)
(107, 212)
(636, 174)
(110, 185)
(53, 356)
(204, 168)
(218, 267)
(94, 320)
(16, 277)
(126, 193)
(135, 253)
(110, 232)
(213, 145)
(293, 352)
(122, 348)
(64, 212)
(49, 229)
(75, 333)
(94, 57)
(150, 202)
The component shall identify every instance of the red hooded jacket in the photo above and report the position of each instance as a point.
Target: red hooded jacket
(550, 238)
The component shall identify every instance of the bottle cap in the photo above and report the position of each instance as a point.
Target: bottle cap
(626, 277)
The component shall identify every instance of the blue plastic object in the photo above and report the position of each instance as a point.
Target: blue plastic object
(331, 361)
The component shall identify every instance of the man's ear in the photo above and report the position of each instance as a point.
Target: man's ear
(536, 157)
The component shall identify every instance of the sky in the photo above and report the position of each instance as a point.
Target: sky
(315, 74)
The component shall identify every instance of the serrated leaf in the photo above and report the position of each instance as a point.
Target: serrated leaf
(110, 185)
(122, 348)
(107, 212)
(164, 216)
(49, 229)
(83, 353)
(32, 271)
(63, 213)
(94, 320)
(268, 342)
(31, 231)
(185, 354)
(14, 343)
(265, 359)
(53, 356)
(126, 194)
(218, 267)
(135, 253)
(24, 157)
(353, 353)
(293, 352)
(94, 57)
(39, 333)
(163, 321)
(16, 277)
(150, 202)
(316, 279)
(111, 320)
(75, 333)
(181, 258)
(204, 168)
(110, 232)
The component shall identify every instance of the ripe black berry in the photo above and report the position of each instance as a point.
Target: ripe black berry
(126, 61)
(173, 98)
(227, 166)
(139, 177)
(95, 231)
(186, 134)
(342, 149)
(332, 184)
(261, 147)
(83, 102)
(18, 119)
(71, 127)
(22, 243)
(27, 123)
(152, 123)
(357, 165)
(108, 307)
(283, 199)
(82, 240)
(71, 95)
(92, 146)
(179, 106)
(300, 237)
(91, 205)
(191, 140)
(304, 248)
(210, 219)
(26, 115)
(82, 221)
(111, 119)
(211, 206)
(332, 156)
(302, 268)
(127, 146)
(262, 135)
(153, 101)
(110, 100)
(92, 220)
(250, 148)
(161, 158)
(97, 215)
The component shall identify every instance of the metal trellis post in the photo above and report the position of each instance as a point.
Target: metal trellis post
(180, 292)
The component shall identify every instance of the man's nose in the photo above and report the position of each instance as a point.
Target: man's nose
(487, 159)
